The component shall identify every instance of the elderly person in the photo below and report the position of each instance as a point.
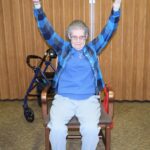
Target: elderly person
(78, 78)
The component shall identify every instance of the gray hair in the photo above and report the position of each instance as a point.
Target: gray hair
(77, 24)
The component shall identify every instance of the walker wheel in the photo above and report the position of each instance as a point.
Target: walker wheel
(29, 114)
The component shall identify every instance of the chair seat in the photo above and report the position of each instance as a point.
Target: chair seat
(104, 119)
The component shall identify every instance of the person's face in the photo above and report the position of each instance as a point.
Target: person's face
(78, 38)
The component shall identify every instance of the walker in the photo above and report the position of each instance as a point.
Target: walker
(41, 79)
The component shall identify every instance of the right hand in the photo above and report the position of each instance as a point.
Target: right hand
(35, 1)
(116, 4)
(117, 1)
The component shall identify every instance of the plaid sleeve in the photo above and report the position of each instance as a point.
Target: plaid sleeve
(103, 38)
(47, 31)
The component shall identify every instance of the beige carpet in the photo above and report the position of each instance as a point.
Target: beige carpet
(131, 127)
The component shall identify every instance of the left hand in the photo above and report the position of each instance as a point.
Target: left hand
(117, 1)
(116, 5)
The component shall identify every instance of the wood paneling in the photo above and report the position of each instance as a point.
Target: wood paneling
(125, 61)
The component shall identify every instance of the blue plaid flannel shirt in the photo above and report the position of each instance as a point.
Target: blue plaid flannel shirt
(63, 48)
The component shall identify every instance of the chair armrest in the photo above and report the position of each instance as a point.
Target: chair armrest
(44, 104)
(111, 95)
(111, 106)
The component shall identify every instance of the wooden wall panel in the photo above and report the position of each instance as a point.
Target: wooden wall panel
(124, 62)
(3, 63)
(127, 56)
(10, 58)
(139, 38)
(146, 69)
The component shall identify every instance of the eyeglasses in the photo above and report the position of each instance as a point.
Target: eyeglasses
(80, 38)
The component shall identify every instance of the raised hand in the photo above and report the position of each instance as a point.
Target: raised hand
(36, 3)
(116, 5)
(117, 1)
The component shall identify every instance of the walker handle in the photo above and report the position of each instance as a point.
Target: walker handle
(29, 57)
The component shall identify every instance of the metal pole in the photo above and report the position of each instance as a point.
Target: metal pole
(92, 18)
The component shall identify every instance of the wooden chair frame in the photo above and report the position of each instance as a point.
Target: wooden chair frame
(105, 121)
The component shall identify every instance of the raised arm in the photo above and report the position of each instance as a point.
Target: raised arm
(46, 29)
(103, 38)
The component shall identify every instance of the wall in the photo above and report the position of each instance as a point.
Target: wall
(125, 62)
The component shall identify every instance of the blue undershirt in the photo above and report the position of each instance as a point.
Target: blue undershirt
(77, 79)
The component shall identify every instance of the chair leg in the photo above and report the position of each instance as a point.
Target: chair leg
(111, 109)
(47, 143)
(107, 135)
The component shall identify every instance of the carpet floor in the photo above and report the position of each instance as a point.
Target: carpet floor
(131, 127)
